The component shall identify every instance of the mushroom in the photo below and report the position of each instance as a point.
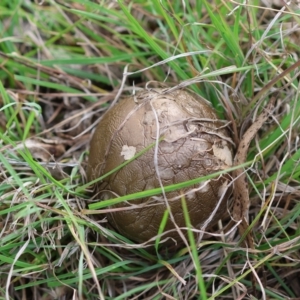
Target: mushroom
(189, 142)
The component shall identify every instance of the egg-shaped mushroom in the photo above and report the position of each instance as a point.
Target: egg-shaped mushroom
(189, 141)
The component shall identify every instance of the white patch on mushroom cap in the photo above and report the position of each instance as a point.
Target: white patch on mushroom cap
(190, 195)
(128, 152)
(204, 186)
(223, 153)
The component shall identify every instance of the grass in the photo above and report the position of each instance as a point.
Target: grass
(62, 64)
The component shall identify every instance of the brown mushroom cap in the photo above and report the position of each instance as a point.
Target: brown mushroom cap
(195, 143)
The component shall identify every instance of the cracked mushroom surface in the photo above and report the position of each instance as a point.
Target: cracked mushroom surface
(190, 142)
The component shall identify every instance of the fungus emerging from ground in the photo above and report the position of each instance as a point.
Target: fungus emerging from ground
(189, 142)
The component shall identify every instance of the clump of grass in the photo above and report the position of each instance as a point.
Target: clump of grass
(62, 64)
